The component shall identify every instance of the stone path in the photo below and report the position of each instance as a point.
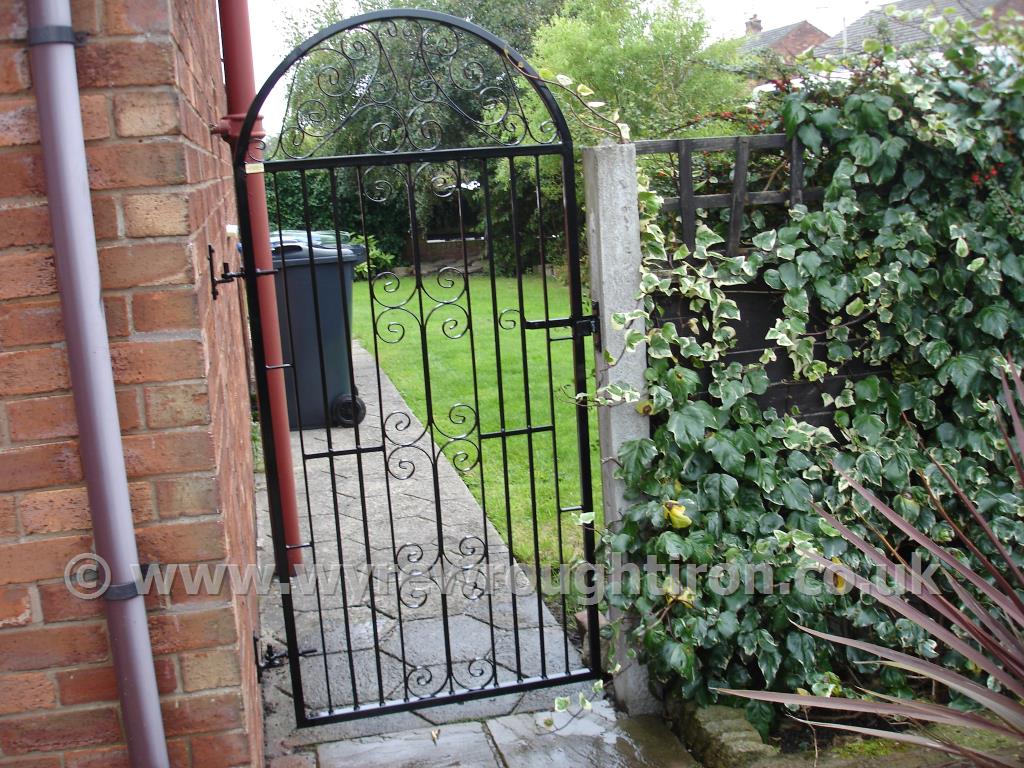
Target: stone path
(384, 636)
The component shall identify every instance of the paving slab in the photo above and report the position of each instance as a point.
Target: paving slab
(598, 737)
(465, 744)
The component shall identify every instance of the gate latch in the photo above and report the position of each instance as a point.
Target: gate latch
(581, 326)
(226, 275)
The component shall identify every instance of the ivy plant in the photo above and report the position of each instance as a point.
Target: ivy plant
(908, 274)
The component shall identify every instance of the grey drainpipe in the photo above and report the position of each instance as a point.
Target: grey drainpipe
(55, 83)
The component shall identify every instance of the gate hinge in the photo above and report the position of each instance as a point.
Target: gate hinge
(226, 275)
(272, 657)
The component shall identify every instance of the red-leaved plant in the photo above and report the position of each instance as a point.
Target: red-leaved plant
(978, 613)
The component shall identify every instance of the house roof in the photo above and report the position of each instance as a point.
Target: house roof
(772, 37)
(900, 33)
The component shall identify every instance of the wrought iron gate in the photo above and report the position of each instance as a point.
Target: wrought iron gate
(431, 506)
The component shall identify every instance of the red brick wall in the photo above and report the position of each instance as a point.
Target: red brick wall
(151, 85)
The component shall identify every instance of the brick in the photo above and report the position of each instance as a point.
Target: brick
(146, 113)
(167, 453)
(28, 561)
(115, 312)
(221, 750)
(23, 173)
(49, 761)
(45, 418)
(185, 496)
(165, 310)
(84, 16)
(194, 630)
(35, 322)
(202, 714)
(104, 757)
(14, 71)
(58, 646)
(136, 164)
(59, 730)
(157, 215)
(130, 17)
(27, 273)
(176, 405)
(140, 362)
(15, 609)
(19, 121)
(39, 466)
(67, 509)
(203, 670)
(60, 605)
(33, 371)
(96, 684)
(144, 264)
(24, 225)
(125, 62)
(187, 542)
(104, 217)
(13, 21)
(178, 752)
(25, 692)
(8, 517)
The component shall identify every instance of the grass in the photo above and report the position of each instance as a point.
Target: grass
(541, 477)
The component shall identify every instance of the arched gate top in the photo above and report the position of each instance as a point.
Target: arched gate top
(405, 80)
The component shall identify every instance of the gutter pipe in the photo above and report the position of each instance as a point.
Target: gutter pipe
(240, 84)
(55, 82)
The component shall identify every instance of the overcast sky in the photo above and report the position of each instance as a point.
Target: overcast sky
(726, 16)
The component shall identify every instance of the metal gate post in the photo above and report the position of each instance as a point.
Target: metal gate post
(613, 237)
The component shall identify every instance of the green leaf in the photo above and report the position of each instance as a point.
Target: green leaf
(865, 149)
(869, 426)
(962, 371)
(796, 494)
(811, 137)
(725, 453)
(717, 490)
(765, 240)
(635, 456)
(687, 426)
(995, 320)
(727, 625)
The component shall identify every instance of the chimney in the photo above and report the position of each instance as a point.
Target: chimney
(753, 25)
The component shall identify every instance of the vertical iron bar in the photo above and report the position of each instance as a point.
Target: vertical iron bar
(479, 420)
(294, 650)
(580, 379)
(495, 319)
(520, 269)
(429, 402)
(370, 277)
(346, 320)
(551, 405)
(327, 428)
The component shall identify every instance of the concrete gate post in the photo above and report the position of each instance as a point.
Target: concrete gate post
(613, 240)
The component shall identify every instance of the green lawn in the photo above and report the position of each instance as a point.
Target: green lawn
(463, 371)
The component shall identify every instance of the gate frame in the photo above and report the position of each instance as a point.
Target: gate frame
(246, 160)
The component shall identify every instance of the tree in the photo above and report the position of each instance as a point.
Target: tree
(654, 65)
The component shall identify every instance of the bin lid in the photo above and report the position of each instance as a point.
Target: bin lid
(295, 253)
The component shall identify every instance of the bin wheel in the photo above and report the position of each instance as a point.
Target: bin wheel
(347, 411)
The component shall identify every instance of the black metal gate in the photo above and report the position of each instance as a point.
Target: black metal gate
(443, 466)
